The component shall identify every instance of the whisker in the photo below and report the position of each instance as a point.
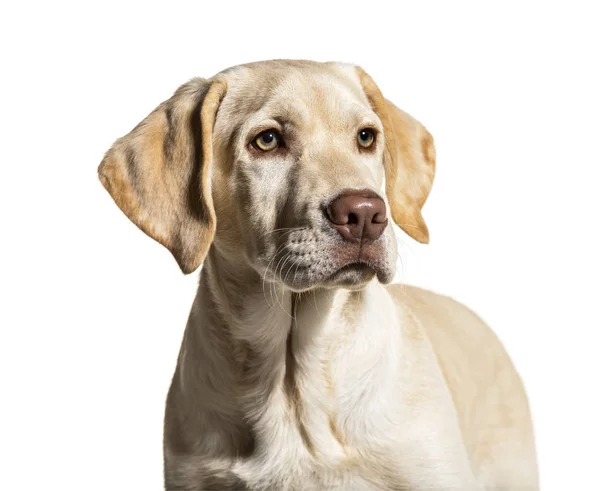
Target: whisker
(296, 262)
(315, 300)
(296, 272)
(286, 257)
(297, 299)
(281, 247)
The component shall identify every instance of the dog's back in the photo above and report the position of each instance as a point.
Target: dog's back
(487, 391)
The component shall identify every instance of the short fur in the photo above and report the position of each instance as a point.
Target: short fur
(298, 370)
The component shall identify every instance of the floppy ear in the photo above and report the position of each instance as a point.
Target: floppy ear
(159, 174)
(409, 161)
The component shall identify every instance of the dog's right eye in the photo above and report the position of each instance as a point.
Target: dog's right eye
(267, 140)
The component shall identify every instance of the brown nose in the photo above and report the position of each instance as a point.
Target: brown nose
(357, 215)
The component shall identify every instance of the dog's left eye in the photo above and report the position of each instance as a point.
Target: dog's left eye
(267, 140)
(366, 138)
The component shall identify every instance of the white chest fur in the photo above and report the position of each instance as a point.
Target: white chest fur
(332, 420)
(342, 391)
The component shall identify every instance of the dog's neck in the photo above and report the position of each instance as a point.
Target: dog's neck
(259, 354)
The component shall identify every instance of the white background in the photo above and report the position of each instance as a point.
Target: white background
(92, 311)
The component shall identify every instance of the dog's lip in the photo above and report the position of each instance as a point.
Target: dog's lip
(363, 268)
(359, 266)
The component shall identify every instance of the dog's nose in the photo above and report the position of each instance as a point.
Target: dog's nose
(358, 215)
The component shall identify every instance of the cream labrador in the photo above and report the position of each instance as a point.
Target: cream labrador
(301, 367)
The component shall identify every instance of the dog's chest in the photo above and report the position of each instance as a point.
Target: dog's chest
(298, 469)
(327, 441)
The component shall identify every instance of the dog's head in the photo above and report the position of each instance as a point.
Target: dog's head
(294, 167)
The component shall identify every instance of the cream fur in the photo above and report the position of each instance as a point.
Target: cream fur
(289, 378)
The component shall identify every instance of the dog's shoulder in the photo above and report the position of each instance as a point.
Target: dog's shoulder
(434, 310)
(457, 334)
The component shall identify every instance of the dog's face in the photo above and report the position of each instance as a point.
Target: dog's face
(303, 158)
(296, 167)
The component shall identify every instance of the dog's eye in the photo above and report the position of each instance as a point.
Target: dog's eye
(366, 138)
(267, 140)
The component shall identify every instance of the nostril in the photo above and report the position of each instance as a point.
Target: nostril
(379, 218)
(352, 219)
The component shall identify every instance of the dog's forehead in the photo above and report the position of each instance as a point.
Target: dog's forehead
(298, 91)
(275, 75)
(320, 93)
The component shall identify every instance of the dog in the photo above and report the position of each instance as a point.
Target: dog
(301, 366)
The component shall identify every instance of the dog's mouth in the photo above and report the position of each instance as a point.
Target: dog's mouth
(305, 262)
(356, 266)
(355, 273)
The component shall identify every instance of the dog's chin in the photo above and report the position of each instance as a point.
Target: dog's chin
(352, 276)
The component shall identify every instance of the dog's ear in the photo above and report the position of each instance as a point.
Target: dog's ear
(159, 174)
(409, 161)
